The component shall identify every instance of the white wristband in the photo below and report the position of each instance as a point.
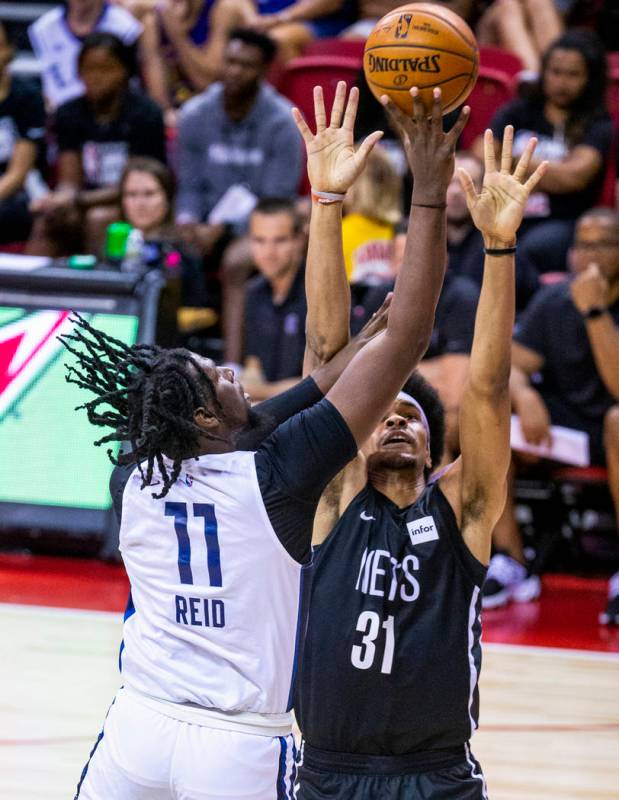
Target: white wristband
(326, 198)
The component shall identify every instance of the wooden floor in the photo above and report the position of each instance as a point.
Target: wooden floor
(550, 718)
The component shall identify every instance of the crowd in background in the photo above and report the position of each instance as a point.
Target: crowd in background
(172, 115)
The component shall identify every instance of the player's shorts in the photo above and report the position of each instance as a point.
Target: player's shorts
(463, 780)
(142, 754)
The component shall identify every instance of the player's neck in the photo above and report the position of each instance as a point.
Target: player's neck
(401, 486)
(82, 20)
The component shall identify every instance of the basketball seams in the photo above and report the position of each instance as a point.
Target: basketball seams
(424, 47)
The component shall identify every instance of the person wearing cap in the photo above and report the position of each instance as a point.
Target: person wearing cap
(387, 693)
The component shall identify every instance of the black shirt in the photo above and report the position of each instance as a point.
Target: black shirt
(454, 321)
(392, 652)
(304, 442)
(276, 333)
(467, 259)
(22, 117)
(553, 328)
(528, 120)
(105, 148)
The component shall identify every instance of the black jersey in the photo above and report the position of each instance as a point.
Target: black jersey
(392, 654)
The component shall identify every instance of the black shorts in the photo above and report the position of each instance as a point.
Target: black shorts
(15, 218)
(462, 781)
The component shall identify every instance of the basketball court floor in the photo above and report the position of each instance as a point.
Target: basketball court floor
(549, 689)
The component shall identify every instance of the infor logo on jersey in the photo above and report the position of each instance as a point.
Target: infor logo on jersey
(422, 530)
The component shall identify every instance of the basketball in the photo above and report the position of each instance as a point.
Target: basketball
(423, 45)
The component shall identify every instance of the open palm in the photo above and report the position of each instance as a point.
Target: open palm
(498, 209)
(333, 164)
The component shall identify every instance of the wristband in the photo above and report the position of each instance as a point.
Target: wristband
(594, 312)
(327, 198)
(430, 205)
(500, 251)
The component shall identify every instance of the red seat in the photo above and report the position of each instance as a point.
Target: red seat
(591, 475)
(300, 76)
(351, 48)
(495, 58)
(612, 95)
(492, 90)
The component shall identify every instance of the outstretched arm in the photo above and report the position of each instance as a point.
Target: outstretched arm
(377, 373)
(332, 167)
(476, 486)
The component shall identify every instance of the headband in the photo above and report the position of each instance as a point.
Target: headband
(406, 398)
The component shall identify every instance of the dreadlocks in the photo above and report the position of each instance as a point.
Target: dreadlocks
(145, 393)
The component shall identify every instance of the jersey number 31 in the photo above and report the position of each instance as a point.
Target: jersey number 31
(362, 655)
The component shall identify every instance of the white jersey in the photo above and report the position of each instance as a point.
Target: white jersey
(217, 597)
(57, 48)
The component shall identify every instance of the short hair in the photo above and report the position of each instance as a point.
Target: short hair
(123, 53)
(146, 394)
(164, 177)
(377, 192)
(279, 205)
(427, 397)
(600, 213)
(264, 43)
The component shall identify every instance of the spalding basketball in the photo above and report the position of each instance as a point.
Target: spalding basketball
(423, 45)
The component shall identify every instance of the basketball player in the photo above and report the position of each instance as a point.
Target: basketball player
(387, 697)
(216, 538)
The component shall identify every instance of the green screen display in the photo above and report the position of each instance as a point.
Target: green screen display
(48, 457)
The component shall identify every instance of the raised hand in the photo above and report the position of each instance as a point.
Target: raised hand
(497, 211)
(429, 150)
(333, 164)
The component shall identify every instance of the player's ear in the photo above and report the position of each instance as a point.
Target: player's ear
(204, 419)
(428, 458)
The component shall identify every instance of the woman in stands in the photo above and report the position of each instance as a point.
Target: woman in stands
(96, 133)
(567, 112)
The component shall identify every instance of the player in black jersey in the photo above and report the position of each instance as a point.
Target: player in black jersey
(387, 695)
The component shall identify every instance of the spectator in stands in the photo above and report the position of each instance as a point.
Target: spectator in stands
(178, 30)
(57, 38)
(568, 335)
(96, 135)
(373, 208)
(275, 306)
(22, 130)
(147, 195)
(523, 27)
(237, 143)
(567, 112)
(465, 245)
(292, 24)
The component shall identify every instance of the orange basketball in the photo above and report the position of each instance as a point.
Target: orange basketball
(423, 45)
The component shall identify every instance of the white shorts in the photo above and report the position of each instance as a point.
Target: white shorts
(142, 754)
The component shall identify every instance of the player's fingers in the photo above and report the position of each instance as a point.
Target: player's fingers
(468, 186)
(320, 114)
(437, 111)
(302, 125)
(506, 150)
(337, 109)
(351, 110)
(522, 167)
(367, 144)
(454, 133)
(536, 177)
(419, 111)
(489, 156)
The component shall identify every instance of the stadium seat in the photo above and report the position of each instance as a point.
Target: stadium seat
(612, 96)
(492, 90)
(495, 58)
(300, 76)
(607, 194)
(351, 48)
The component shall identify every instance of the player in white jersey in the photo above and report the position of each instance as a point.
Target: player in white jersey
(215, 534)
(57, 45)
